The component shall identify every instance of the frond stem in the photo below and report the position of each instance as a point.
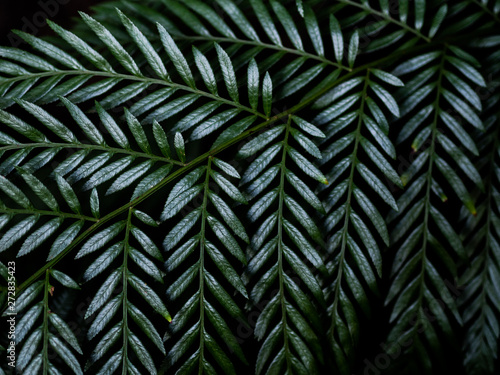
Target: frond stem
(428, 188)
(19, 211)
(202, 263)
(281, 276)
(350, 189)
(96, 73)
(86, 146)
(45, 332)
(266, 46)
(124, 292)
(387, 17)
(203, 158)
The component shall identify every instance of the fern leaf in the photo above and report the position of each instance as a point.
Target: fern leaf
(172, 122)
(106, 308)
(479, 299)
(281, 247)
(411, 255)
(28, 359)
(354, 249)
(200, 270)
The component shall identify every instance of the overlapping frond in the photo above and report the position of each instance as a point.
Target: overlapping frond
(203, 242)
(281, 247)
(116, 296)
(28, 202)
(52, 334)
(354, 118)
(480, 299)
(423, 237)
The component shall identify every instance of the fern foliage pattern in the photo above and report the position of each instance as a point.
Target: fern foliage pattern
(433, 148)
(251, 187)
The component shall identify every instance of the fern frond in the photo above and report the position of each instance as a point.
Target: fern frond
(211, 260)
(93, 161)
(196, 14)
(53, 334)
(108, 78)
(352, 115)
(120, 282)
(294, 337)
(423, 235)
(480, 299)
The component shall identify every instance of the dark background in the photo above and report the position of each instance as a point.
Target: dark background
(30, 15)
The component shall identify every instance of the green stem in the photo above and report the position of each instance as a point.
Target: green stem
(207, 154)
(487, 10)
(281, 276)
(96, 73)
(45, 334)
(202, 263)
(124, 293)
(92, 148)
(33, 211)
(266, 46)
(350, 189)
(429, 187)
(387, 18)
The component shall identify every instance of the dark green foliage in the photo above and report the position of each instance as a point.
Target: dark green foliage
(268, 187)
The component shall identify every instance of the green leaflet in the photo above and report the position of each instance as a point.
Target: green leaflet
(147, 49)
(109, 40)
(176, 56)
(205, 70)
(288, 24)
(228, 73)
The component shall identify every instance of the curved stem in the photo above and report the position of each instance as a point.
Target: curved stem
(86, 146)
(486, 10)
(281, 276)
(124, 292)
(387, 18)
(202, 263)
(264, 45)
(347, 214)
(34, 211)
(96, 73)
